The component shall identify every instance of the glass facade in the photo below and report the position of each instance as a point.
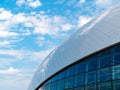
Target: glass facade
(100, 71)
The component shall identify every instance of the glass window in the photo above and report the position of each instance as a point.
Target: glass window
(116, 49)
(54, 78)
(53, 86)
(105, 86)
(49, 81)
(116, 72)
(69, 71)
(69, 89)
(79, 88)
(61, 75)
(47, 87)
(80, 68)
(60, 85)
(105, 53)
(84, 75)
(90, 77)
(116, 85)
(90, 87)
(79, 80)
(104, 62)
(104, 75)
(91, 65)
(116, 59)
(69, 82)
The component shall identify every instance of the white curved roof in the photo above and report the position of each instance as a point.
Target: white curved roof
(99, 33)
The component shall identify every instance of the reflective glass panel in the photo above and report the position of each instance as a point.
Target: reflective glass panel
(104, 75)
(91, 87)
(100, 71)
(60, 85)
(104, 61)
(105, 53)
(91, 65)
(69, 82)
(117, 49)
(116, 72)
(116, 59)
(70, 71)
(116, 85)
(61, 75)
(90, 77)
(79, 88)
(105, 86)
(79, 80)
(80, 68)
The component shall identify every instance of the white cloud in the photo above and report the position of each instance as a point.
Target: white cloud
(1, 10)
(40, 55)
(83, 20)
(14, 54)
(39, 22)
(23, 75)
(10, 70)
(44, 25)
(4, 34)
(59, 19)
(17, 76)
(79, 3)
(5, 62)
(5, 15)
(13, 84)
(66, 27)
(20, 2)
(17, 55)
(51, 25)
(103, 3)
(35, 4)
(8, 43)
(29, 24)
(9, 21)
(4, 43)
(19, 18)
(25, 32)
(30, 3)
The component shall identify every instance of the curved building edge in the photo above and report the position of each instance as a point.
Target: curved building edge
(99, 33)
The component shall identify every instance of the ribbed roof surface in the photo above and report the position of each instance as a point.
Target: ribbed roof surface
(99, 33)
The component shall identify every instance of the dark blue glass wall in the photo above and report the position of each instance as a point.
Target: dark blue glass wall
(100, 71)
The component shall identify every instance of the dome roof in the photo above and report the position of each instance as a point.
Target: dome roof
(99, 33)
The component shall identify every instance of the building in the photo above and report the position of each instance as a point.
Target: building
(88, 60)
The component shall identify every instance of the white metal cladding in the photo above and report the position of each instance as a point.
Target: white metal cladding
(99, 33)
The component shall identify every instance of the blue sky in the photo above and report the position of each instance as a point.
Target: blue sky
(31, 29)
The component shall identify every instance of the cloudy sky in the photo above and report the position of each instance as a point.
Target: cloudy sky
(30, 29)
